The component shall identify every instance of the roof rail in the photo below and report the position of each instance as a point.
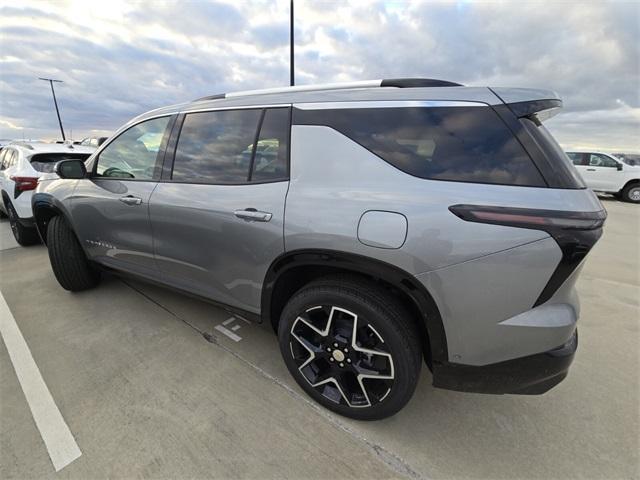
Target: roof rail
(391, 82)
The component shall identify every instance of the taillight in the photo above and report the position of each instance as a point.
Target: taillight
(551, 221)
(25, 183)
(574, 232)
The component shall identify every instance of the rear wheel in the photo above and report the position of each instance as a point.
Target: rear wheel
(351, 346)
(68, 261)
(631, 193)
(25, 236)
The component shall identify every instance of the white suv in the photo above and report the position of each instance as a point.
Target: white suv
(603, 172)
(21, 164)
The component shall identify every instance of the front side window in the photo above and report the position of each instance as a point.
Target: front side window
(467, 144)
(134, 154)
(598, 160)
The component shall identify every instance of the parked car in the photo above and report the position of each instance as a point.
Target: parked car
(604, 172)
(388, 224)
(21, 164)
(91, 141)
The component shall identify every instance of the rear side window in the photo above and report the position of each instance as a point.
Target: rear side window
(463, 144)
(216, 147)
(44, 162)
(9, 158)
(576, 158)
(272, 149)
(233, 146)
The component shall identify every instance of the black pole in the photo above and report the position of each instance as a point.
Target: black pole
(292, 77)
(55, 102)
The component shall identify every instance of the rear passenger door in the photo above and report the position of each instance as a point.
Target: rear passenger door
(110, 209)
(218, 213)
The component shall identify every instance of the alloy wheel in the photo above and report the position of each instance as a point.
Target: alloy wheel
(634, 194)
(342, 356)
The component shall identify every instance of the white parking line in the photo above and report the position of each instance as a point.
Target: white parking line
(221, 328)
(54, 431)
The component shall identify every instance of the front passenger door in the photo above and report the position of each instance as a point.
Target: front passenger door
(110, 209)
(602, 173)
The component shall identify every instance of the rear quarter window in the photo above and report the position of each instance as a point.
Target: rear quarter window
(462, 144)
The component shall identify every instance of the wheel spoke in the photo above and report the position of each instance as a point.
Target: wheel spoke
(341, 356)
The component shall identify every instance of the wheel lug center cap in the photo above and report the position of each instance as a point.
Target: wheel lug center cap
(338, 356)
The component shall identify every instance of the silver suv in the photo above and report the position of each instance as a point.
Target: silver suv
(374, 226)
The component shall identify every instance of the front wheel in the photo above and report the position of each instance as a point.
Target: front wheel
(351, 346)
(68, 261)
(631, 193)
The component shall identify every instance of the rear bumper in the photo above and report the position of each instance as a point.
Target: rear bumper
(531, 375)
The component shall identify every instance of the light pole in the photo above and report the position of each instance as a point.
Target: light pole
(292, 77)
(55, 102)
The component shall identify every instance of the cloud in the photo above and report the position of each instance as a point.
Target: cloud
(122, 61)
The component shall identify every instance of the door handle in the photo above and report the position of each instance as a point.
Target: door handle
(252, 214)
(131, 200)
(591, 169)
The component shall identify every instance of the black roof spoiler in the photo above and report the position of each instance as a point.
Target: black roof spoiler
(530, 103)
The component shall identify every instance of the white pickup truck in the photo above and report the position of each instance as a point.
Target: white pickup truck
(603, 172)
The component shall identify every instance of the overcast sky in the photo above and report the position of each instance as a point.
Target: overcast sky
(121, 58)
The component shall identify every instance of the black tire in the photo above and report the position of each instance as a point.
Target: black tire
(68, 261)
(382, 321)
(25, 236)
(631, 193)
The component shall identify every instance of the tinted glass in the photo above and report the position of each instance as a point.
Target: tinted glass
(134, 153)
(468, 144)
(576, 158)
(44, 162)
(216, 147)
(272, 150)
(3, 152)
(554, 153)
(597, 160)
(9, 159)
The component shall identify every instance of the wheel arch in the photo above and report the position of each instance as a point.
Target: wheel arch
(45, 207)
(5, 196)
(630, 182)
(292, 270)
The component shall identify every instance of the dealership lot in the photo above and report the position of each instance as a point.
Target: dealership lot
(155, 384)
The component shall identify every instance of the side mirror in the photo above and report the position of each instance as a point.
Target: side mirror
(70, 169)
(619, 166)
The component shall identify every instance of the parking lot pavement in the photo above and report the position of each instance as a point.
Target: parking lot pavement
(146, 395)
